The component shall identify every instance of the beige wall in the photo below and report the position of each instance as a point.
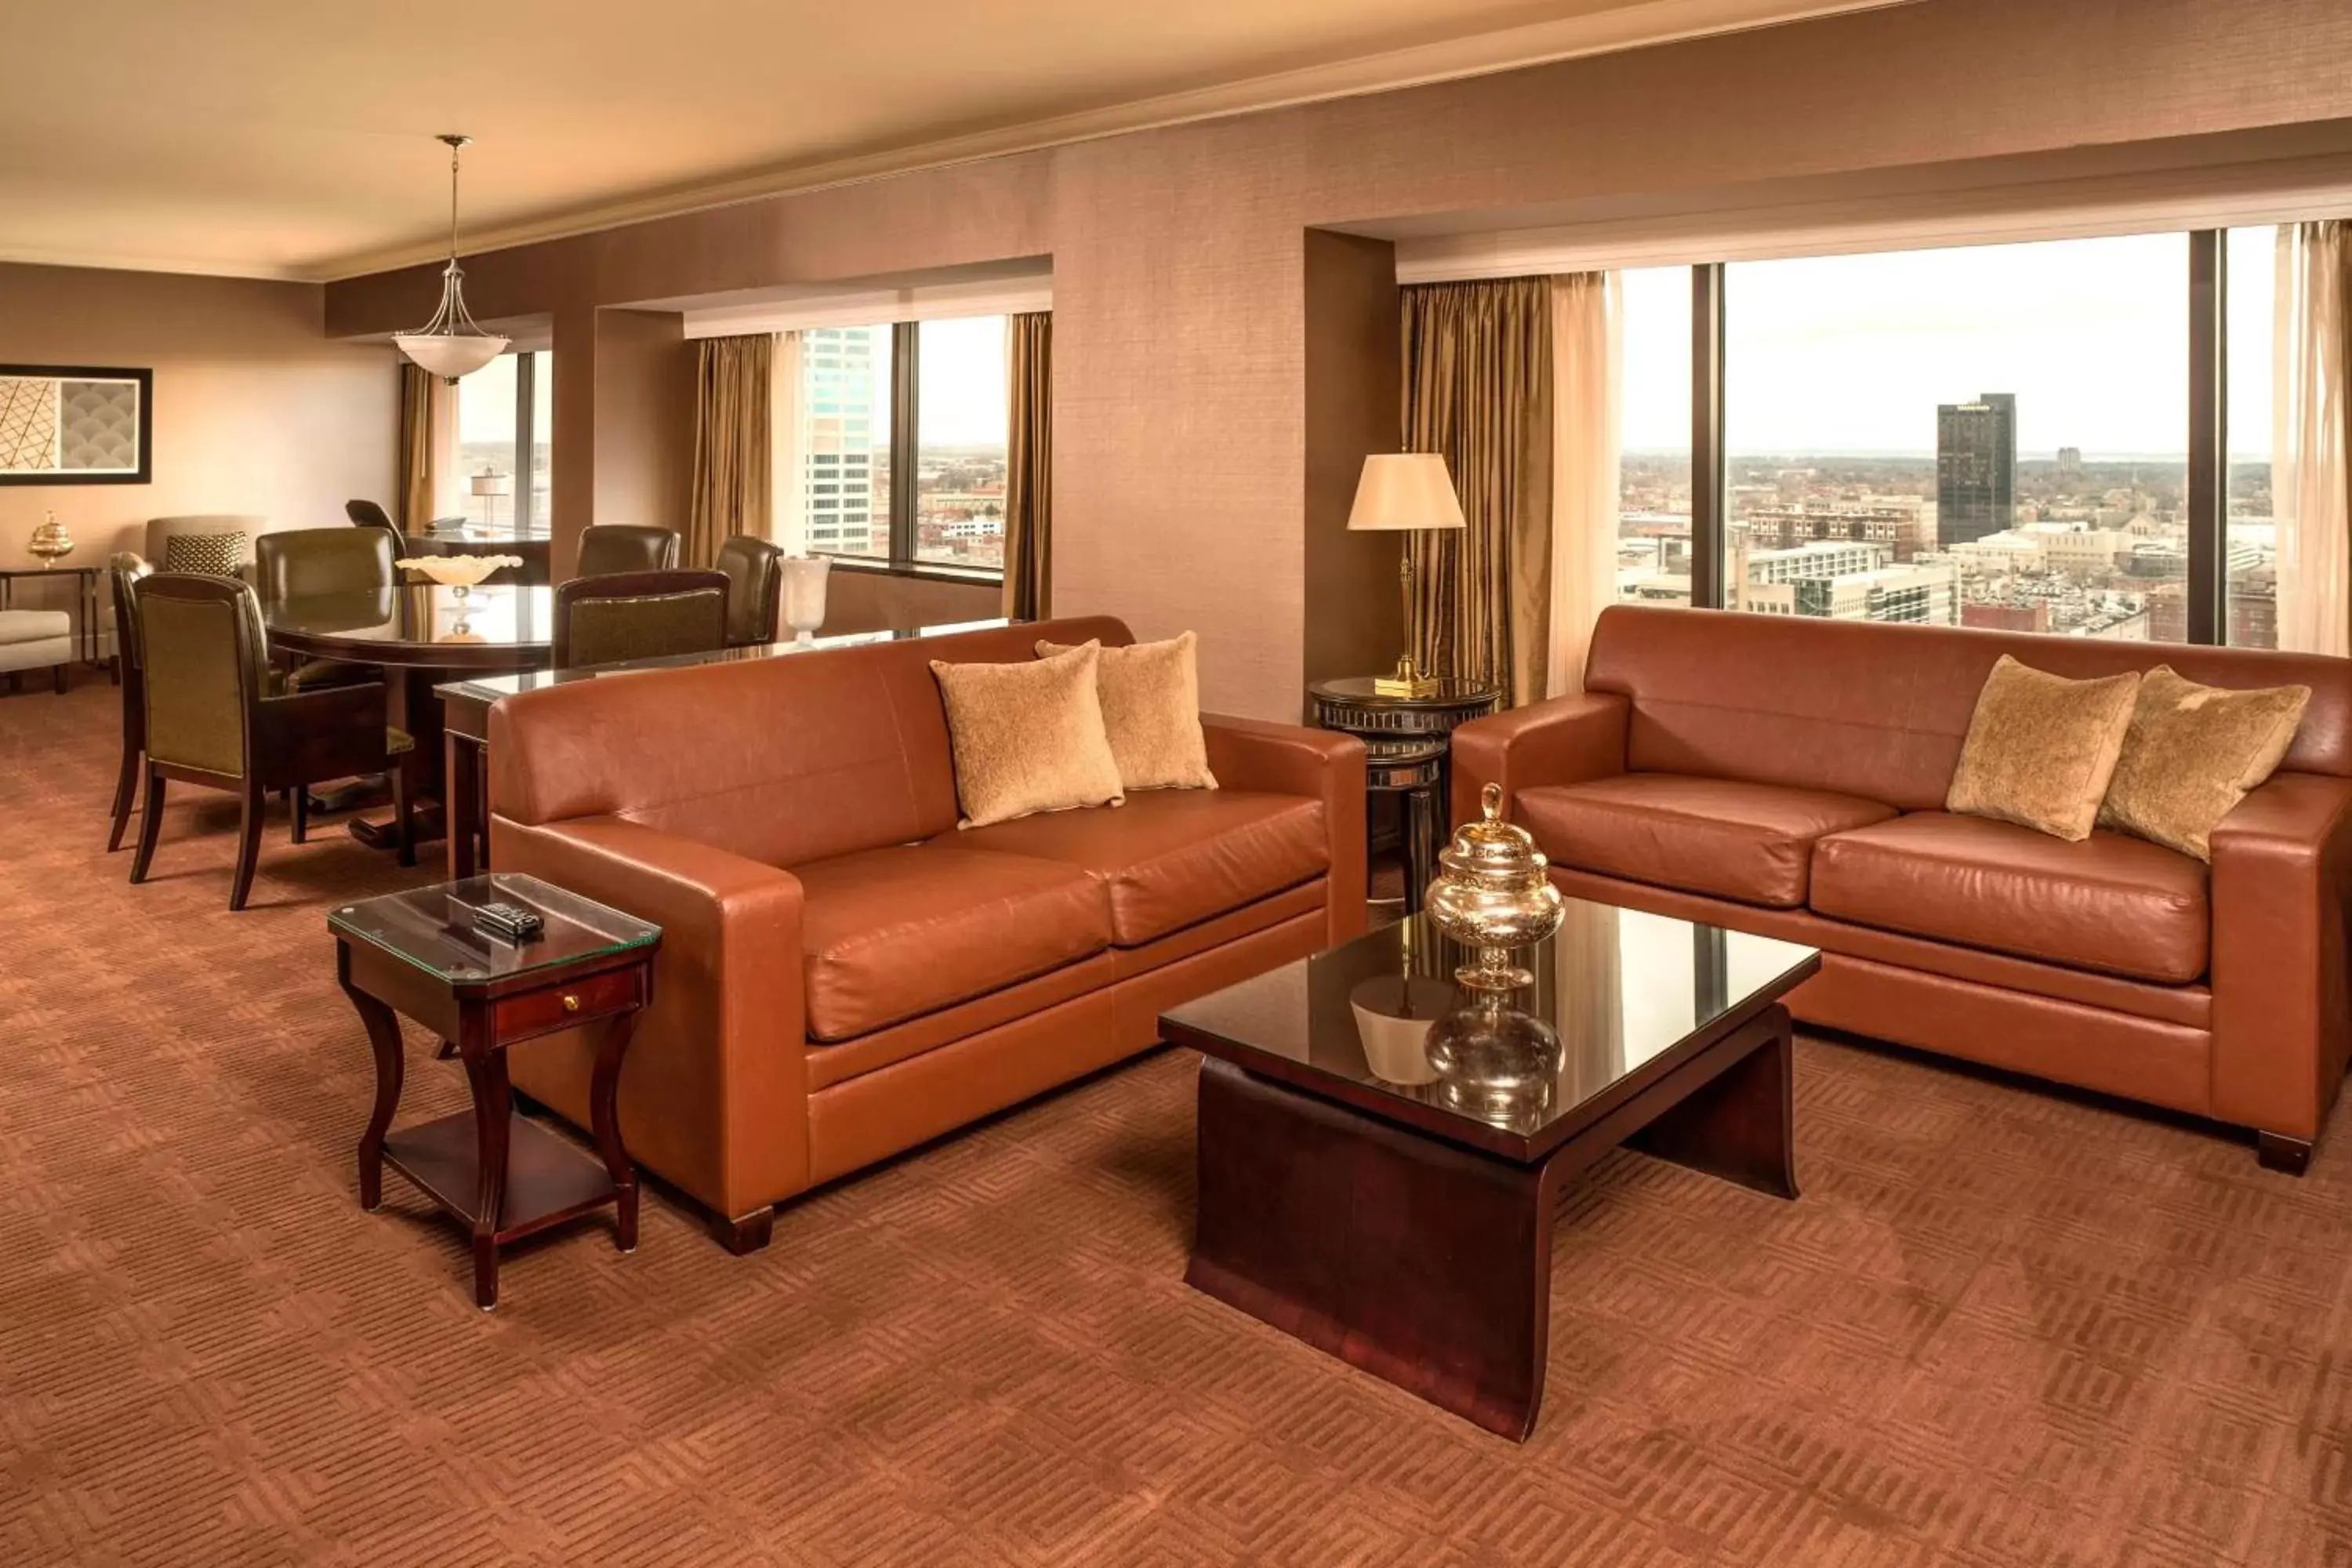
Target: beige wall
(256, 410)
(1192, 487)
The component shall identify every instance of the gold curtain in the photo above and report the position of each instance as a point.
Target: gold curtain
(732, 444)
(1029, 468)
(1478, 389)
(421, 395)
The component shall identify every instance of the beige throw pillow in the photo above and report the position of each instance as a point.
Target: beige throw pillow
(2193, 753)
(1151, 694)
(1027, 737)
(2041, 748)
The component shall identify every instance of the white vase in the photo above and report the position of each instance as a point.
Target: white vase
(803, 597)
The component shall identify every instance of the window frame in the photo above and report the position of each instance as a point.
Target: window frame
(2205, 500)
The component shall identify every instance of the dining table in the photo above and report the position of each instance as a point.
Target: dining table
(455, 536)
(420, 636)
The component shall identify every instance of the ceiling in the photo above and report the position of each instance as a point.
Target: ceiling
(287, 137)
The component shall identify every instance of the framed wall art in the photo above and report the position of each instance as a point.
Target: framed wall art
(76, 424)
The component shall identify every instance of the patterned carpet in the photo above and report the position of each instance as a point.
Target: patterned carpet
(2001, 1328)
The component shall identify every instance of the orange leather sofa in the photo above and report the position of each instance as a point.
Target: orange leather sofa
(843, 973)
(1787, 776)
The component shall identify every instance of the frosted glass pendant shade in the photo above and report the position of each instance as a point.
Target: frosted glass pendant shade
(449, 354)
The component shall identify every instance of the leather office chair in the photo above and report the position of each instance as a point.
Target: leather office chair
(211, 720)
(609, 547)
(368, 514)
(125, 572)
(755, 587)
(621, 616)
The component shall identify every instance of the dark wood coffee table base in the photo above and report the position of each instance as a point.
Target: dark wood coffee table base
(1439, 1279)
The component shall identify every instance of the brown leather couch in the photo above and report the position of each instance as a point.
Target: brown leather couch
(1787, 776)
(843, 973)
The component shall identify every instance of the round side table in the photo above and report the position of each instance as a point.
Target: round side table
(1405, 742)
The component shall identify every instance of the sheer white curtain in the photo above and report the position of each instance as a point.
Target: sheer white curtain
(1587, 338)
(788, 439)
(2311, 453)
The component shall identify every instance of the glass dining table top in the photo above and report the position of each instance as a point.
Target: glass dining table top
(1616, 994)
(510, 616)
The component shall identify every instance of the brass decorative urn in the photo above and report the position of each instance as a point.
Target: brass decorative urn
(1491, 894)
(50, 541)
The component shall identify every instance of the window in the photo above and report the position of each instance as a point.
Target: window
(943, 506)
(962, 422)
(506, 413)
(1993, 436)
(1653, 511)
(2250, 541)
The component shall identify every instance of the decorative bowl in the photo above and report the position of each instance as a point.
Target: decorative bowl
(1492, 895)
(458, 571)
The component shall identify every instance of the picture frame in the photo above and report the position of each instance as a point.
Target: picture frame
(76, 425)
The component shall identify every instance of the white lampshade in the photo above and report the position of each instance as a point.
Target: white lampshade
(1405, 490)
(449, 354)
(488, 483)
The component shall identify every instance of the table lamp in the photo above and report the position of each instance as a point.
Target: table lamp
(489, 484)
(1405, 490)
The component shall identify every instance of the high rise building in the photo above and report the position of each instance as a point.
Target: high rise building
(1976, 468)
(838, 398)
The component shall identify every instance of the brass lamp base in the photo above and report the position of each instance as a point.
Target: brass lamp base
(1408, 681)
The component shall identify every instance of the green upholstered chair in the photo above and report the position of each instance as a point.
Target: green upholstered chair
(125, 570)
(622, 616)
(609, 547)
(755, 587)
(212, 720)
(300, 563)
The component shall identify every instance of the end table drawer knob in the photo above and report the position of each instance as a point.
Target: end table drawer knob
(571, 1002)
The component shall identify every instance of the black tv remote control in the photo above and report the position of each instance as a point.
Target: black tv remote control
(511, 921)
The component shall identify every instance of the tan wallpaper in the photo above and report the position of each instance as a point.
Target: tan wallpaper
(1182, 486)
(255, 410)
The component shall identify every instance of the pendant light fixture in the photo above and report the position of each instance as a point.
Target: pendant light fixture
(451, 345)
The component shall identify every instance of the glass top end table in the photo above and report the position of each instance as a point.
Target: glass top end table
(1381, 1151)
(433, 929)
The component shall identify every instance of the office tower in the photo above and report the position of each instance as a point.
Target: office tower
(841, 392)
(1976, 468)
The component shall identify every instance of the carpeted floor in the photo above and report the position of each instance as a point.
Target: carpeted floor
(2001, 1328)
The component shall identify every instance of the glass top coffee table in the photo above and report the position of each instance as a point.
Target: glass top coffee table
(1382, 1149)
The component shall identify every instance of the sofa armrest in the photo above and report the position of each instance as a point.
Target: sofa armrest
(1291, 759)
(714, 1095)
(1565, 740)
(2282, 1017)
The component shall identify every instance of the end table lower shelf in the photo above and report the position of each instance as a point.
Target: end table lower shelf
(547, 1181)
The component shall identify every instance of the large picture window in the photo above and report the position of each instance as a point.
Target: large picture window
(2066, 436)
(506, 413)
(902, 444)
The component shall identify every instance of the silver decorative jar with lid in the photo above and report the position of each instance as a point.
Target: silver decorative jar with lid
(1491, 895)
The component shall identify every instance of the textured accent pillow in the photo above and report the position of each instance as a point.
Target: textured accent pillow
(1027, 737)
(2041, 748)
(212, 555)
(1151, 694)
(2192, 753)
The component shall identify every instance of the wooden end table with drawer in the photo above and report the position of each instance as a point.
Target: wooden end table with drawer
(420, 954)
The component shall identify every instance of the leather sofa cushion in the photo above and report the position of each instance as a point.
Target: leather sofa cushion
(1169, 859)
(2107, 902)
(894, 932)
(1750, 842)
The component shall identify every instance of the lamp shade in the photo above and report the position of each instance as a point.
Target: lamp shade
(491, 483)
(1405, 490)
(449, 355)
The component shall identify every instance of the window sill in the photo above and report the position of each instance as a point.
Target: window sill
(922, 571)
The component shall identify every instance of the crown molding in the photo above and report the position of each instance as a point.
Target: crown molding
(1633, 26)
(183, 266)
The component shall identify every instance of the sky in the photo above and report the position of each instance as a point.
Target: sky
(1852, 353)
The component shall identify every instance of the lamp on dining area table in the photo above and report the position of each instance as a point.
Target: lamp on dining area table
(1401, 491)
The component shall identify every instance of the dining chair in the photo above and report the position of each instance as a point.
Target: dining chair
(369, 515)
(211, 718)
(755, 587)
(307, 563)
(609, 547)
(125, 570)
(621, 616)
